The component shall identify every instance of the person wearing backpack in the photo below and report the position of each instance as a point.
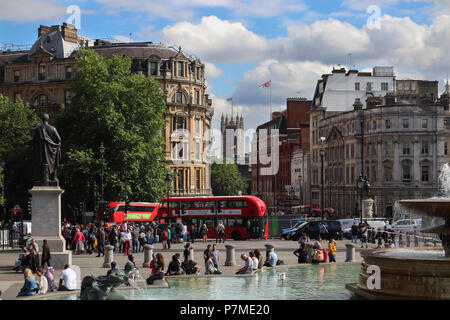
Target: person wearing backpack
(317, 256)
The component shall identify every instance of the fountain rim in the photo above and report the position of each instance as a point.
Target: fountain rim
(374, 253)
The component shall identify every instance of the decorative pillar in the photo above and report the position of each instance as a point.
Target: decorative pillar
(350, 256)
(109, 256)
(148, 253)
(231, 261)
(191, 253)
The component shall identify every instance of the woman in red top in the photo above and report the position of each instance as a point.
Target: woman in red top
(79, 241)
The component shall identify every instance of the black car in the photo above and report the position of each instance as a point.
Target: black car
(312, 229)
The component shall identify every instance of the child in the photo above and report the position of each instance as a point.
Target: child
(332, 250)
(197, 271)
(50, 279)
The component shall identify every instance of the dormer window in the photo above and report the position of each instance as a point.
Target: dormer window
(180, 69)
(16, 75)
(68, 70)
(41, 71)
(153, 68)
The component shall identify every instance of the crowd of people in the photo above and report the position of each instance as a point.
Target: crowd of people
(318, 254)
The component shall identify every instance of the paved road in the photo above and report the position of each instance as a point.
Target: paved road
(11, 281)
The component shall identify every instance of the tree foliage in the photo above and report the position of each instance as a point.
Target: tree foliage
(226, 180)
(125, 112)
(16, 123)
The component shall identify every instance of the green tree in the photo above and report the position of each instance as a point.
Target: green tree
(125, 112)
(226, 180)
(16, 123)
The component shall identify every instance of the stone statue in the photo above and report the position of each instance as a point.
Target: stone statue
(102, 288)
(46, 152)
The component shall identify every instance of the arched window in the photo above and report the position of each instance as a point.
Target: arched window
(40, 100)
(41, 71)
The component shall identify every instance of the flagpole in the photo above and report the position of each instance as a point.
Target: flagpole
(270, 93)
(232, 107)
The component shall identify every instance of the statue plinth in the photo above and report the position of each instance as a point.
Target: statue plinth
(46, 223)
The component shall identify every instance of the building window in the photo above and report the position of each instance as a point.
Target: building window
(388, 147)
(197, 151)
(424, 123)
(68, 70)
(16, 75)
(374, 125)
(66, 96)
(153, 68)
(347, 176)
(406, 150)
(406, 173)
(353, 175)
(179, 98)
(374, 174)
(197, 178)
(197, 97)
(42, 100)
(41, 71)
(445, 148)
(180, 179)
(388, 123)
(425, 173)
(353, 150)
(405, 123)
(199, 73)
(180, 70)
(424, 147)
(197, 126)
(16, 96)
(178, 123)
(384, 86)
(356, 86)
(369, 86)
(387, 174)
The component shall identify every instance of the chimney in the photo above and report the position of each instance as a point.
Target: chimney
(390, 99)
(42, 29)
(69, 32)
(358, 104)
(372, 102)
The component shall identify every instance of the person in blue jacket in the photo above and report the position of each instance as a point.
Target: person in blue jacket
(29, 288)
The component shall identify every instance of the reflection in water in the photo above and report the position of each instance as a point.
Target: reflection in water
(317, 282)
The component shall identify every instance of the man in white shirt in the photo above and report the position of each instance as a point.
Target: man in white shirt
(184, 232)
(69, 278)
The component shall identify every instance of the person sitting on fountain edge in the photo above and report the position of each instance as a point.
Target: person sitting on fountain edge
(113, 268)
(271, 259)
(68, 279)
(159, 269)
(174, 268)
(248, 268)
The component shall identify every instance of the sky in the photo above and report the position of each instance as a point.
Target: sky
(245, 43)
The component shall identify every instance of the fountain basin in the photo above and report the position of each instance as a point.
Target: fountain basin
(423, 274)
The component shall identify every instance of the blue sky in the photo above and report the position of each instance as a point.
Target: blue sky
(247, 42)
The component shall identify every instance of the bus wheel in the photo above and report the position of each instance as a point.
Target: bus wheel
(236, 235)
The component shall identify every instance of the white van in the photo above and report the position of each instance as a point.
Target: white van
(406, 225)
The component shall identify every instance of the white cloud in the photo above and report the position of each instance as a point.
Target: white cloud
(216, 40)
(31, 10)
(212, 71)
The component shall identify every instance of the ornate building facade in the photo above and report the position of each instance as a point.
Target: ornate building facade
(398, 145)
(40, 77)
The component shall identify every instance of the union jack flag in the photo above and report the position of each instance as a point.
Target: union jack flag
(230, 99)
(266, 84)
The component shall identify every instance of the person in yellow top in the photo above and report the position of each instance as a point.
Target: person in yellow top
(332, 250)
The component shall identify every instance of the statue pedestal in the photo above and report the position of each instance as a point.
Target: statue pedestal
(46, 223)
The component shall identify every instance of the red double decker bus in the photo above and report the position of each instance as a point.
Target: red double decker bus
(137, 211)
(244, 217)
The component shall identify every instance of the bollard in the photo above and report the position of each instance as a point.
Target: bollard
(309, 247)
(408, 241)
(230, 261)
(400, 240)
(269, 248)
(148, 254)
(191, 253)
(350, 256)
(109, 256)
(416, 241)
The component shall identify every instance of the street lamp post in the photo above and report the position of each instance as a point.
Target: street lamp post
(125, 214)
(322, 154)
(3, 192)
(168, 181)
(363, 185)
(102, 152)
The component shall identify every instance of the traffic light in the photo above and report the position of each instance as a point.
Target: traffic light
(29, 207)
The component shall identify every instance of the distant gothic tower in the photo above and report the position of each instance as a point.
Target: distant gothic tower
(233, 138)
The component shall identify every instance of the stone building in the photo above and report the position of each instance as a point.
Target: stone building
(40, 77)
(400, 146)
(233, 148)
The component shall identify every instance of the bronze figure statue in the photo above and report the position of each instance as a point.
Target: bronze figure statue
(46, 152)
